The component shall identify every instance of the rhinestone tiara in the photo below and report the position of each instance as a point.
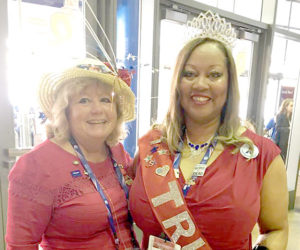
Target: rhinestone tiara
(212, 26)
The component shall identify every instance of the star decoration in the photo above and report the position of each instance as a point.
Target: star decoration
(148, 158)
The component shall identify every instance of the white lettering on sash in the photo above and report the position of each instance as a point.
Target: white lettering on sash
(180, 231)
(174, 195)
(194, 245)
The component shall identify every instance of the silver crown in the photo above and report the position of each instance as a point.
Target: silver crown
(212, 26)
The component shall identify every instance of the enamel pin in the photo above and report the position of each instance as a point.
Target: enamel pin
(154, 149)
(152, 163)
(75, 163)
(128, 180)
(163, 152)
(86, 173)
(156, 141)
(148, 158)
(246, 152)
(162, 171)
(76, 174)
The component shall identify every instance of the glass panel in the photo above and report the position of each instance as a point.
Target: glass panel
(283, 12)
(208, 2)
(37, 32)
(283, 78)
(226, 5)
(295, 18)
(250, 9)
(272, 98)
(242, 53)
(175, 32)
(278, 58)
(292, 59)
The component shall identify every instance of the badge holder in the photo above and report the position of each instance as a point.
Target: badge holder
(156, 243)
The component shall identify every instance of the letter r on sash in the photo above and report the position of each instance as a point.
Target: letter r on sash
(173, 195)
(180, 231)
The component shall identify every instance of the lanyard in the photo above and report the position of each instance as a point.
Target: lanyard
(95, 181)
(199, 169)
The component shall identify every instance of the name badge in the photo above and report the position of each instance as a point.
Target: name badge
(156, 243)
(199, 169)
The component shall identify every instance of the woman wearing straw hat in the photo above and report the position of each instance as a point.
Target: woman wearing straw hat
(70, 192)
(203, 181)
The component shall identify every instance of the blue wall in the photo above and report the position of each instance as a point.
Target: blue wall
(128, 25)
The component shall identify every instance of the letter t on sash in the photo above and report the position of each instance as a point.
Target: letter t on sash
(174, 195)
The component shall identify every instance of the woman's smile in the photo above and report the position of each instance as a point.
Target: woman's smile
(200, 99)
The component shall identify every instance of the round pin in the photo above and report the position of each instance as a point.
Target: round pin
(162, 171)
(75, 162)
(246, 151)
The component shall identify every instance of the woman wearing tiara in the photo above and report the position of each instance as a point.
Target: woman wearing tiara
(70, 191)
(203, 181)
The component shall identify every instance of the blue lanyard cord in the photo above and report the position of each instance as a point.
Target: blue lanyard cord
(119, 175)
(126, 191)
(96, 183)
(203, 163)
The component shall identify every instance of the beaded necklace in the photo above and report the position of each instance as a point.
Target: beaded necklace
(196, 149)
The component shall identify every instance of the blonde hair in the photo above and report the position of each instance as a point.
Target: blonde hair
(172, 127)
(58, 126)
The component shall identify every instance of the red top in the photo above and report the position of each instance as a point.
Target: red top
(225, 202)
(50, 203)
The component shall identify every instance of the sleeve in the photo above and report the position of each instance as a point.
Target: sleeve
(29, 206)
(270, 124)
(268, 152)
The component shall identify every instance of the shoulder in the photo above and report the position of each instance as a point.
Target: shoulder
(119, 151)
(121, 155)
(271, 123)
(44, 149)
(267, 149)
(29, 176)
(261, 142)
(153, 134)
(33, 163)
(280, 118)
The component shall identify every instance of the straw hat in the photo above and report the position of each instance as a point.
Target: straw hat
(51, 83)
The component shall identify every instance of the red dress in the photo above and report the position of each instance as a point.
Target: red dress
(52, 201)
(225, 202)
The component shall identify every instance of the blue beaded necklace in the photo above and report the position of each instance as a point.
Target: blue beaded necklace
(197, 147)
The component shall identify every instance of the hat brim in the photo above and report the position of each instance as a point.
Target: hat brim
(51, 83)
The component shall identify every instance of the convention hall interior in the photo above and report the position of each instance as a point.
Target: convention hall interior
(145, 35)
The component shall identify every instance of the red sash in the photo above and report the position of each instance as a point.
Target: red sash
(165, 194)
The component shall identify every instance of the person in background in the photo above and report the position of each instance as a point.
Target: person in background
(270, 129)
(203, 181)
(283, 121)
(70, 191)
